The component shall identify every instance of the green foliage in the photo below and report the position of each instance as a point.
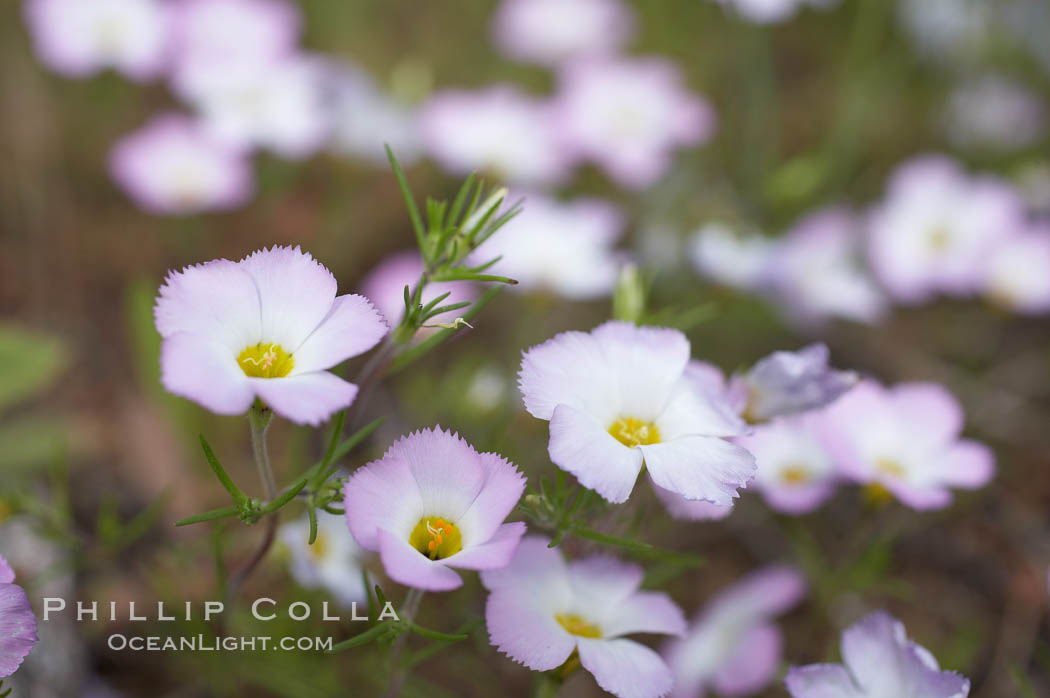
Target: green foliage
(29, 364)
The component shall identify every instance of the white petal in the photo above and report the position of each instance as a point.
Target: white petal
(204, 370)
(352, 327)
(581, 446)
(625, 668)
(308, 398)
(296, 293)
(217, 300)
(692, 413)
(700, 467)
(568, 369)
(648, 362)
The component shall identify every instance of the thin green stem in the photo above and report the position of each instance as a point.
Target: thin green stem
(259, 418)
(397, 674)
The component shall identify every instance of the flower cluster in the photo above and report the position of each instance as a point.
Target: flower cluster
(249, 90)
(938, 231)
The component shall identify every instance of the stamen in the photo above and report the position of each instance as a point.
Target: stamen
(632, 432)
(266, 360)
(436, 538)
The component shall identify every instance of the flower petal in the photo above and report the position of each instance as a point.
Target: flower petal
(448, 473)
(821, 681)
(204, 370)
(534, 565)
(872, 649)
(17, 628)
(625, 668)
(648, 363)
(381, 494)
(406, 565)
(700, 467)
(691, 412)
(568, 369)
(753, 664)
(526, 632)
(7, 575)
(352, 327)
(645, 612)
(932, 406)
(503, 487)
(296, 293)
(579, 445)
(217, 299)
(307, 398)
(494, 553)
(969, 464)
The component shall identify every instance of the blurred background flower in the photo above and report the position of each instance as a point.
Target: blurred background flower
(869, 174)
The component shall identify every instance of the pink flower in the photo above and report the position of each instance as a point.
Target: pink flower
(385, 286)
(280, 106)
(17, 622)
(365, 119)
(733, 646)
(78, 38)
(936, 227)
(1017, 276)
(620, 396)
(550, 32)
(542, 611)
(737, 261)
(172, 167)
(880, 660)
(433, 503)
(771, 11)
(498, 130)
(266, 327)
(815, 272)
(905, 440)
(561, 247)
(630, 115)
(796, 474)
(207, 48)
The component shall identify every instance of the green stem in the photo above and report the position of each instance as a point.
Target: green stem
(259, 418)
(397, 674)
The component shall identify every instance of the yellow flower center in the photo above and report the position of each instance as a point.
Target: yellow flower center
(436, 538)
(633, 432)
(319, 549)
(266, 360)
(890, 467)
(794, 475)
(575, 625)
(939, 239)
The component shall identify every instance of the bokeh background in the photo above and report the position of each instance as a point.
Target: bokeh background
(815, 109)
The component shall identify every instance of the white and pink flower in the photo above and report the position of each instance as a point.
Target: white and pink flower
(172, 166)
(630, 115)
(733, 646)
(432, 504)
(906, 440)
(542, 611)
(78, 38)
(267, 327)
(551, 32)
(620, 397)
(880, 660)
